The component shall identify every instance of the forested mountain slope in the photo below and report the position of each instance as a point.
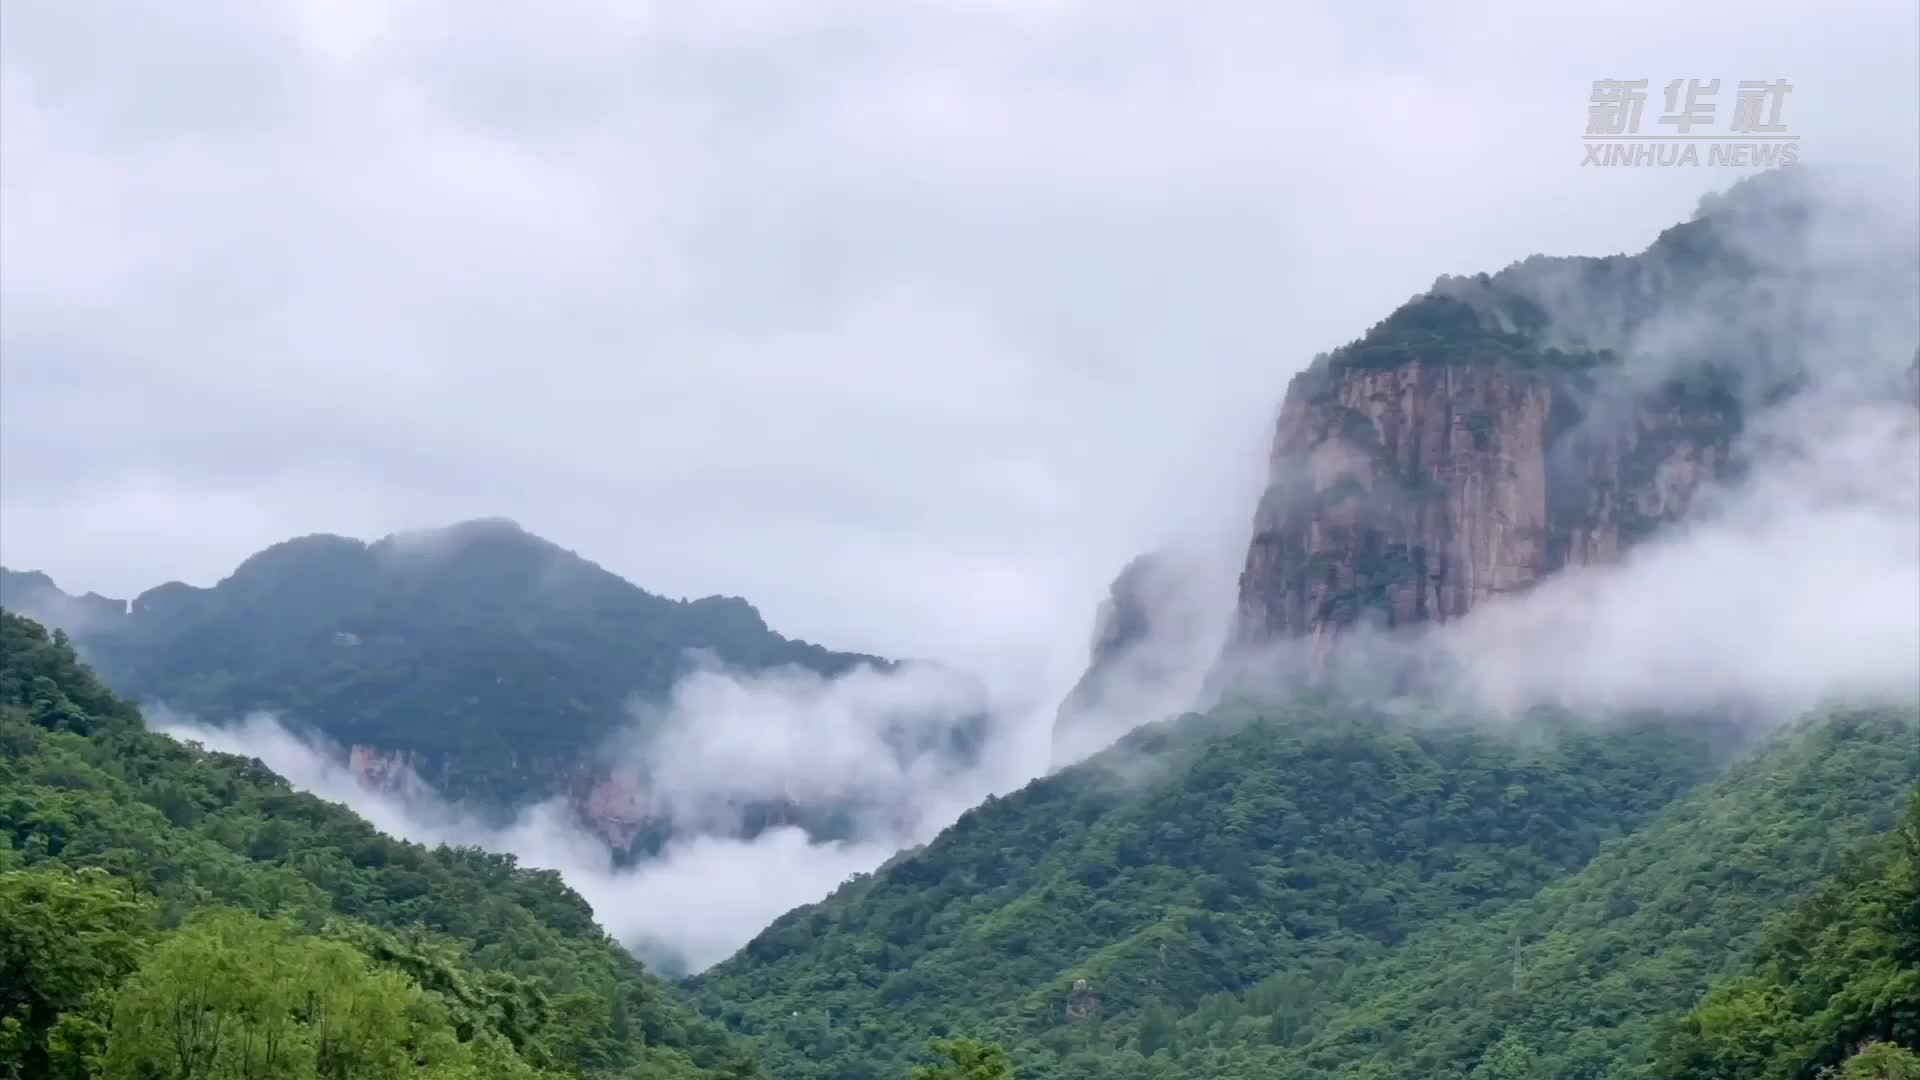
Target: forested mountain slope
(1577, 978)
(1834, 983)
(146, 885)
(488, 661)
(1318, 891)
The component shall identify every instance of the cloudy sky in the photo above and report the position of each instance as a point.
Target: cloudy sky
(911, 322)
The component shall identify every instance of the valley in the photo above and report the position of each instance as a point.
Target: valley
(1557, 719)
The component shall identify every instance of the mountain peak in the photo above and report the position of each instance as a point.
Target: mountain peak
(486, 528)
(299, 554)
(498, 660)
(480, 530)
(1501, 428)
(26, 579)
(34, 593)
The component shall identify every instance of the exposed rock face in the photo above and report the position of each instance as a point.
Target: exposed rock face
(1500, 428)
(1082, 1003)
(616, 806)
(635, 811)
(614, 802)
(1415, 492)
(383, 770)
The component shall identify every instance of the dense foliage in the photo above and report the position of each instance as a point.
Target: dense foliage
(965, 1059)
(1440, 328)
(1836, 984)
(1575, 980)
(1321, 891)
(169, 912)
(1194, 859)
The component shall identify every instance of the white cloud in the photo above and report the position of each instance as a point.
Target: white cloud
(727, 739)
(1801, 588)
(876, 280)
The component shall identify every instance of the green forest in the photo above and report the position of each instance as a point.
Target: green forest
(1311, 890)
(1321, 891)
(166, 912)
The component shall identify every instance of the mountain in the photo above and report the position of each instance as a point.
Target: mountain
(1834, 984)
(1309, 877)
(1499, 429)
(486, 661)
(1264, 868)
(164, 905)
(1318, 889)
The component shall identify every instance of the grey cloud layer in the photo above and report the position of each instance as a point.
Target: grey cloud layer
(910, 322)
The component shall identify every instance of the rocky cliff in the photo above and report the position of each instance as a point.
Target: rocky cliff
(1498, 429)
(1413, 492)
(612, 801)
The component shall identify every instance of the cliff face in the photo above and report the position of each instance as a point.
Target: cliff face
(1414, 492)
(618, 802)
(613, 802)
(1500, 428)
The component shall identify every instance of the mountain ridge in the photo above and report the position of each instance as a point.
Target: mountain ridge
(495, 665)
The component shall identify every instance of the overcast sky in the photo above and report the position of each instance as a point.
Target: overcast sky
(910, 322)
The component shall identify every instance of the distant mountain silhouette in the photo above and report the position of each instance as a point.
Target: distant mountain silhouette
(490, 661)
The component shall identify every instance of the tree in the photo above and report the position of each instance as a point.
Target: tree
(966, 1059)
(108, 830)
(236, 997)
(1877, 1061)
(65, 940)
(1509, 1059)
(1157, 1027)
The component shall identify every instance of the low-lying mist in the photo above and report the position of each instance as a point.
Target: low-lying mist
(726, 739)
(1793, 582)
(1796, 588)
(1799, 585)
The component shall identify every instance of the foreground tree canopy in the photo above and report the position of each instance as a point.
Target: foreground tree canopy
(169, 912)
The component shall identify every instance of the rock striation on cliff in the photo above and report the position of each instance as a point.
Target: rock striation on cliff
(1414, 492)
(1499, 429)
